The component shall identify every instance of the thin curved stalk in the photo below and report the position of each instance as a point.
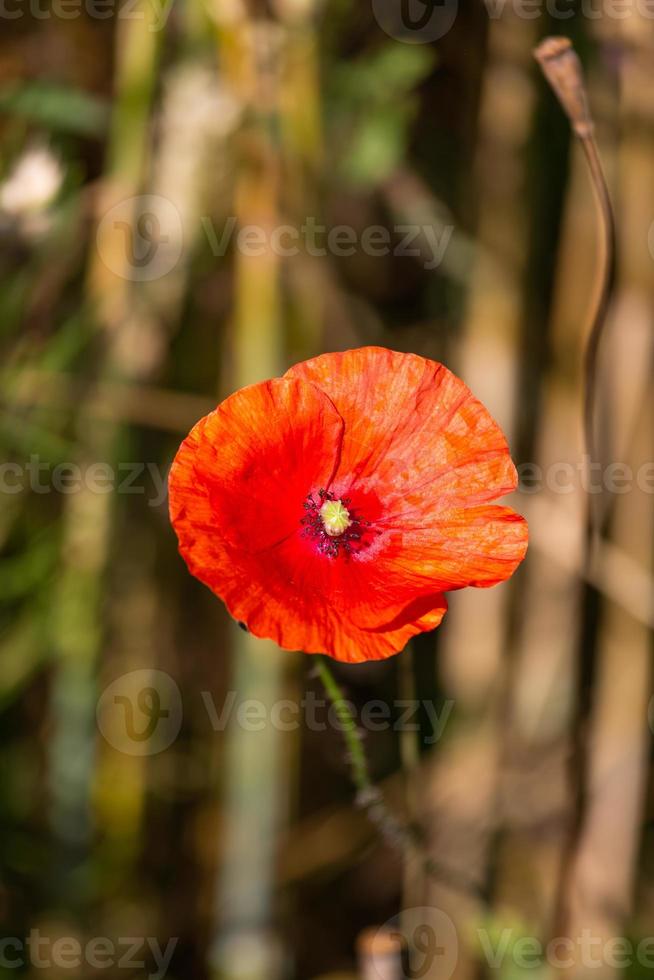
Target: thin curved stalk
(600, 307)
(562, 70)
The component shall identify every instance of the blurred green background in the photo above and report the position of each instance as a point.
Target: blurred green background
(193, 196)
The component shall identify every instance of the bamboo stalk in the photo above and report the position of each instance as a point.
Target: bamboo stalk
(461, 794)
(87, 518)
(245, 942)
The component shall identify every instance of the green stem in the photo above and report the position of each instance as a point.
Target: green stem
(347, 721)
(404, 837)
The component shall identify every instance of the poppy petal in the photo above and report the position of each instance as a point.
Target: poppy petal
(315, 626)
(255, 458)
(473, 546)
(414, 433)
(310, 624)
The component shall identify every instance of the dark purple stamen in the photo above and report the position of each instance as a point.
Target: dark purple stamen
(314, 527)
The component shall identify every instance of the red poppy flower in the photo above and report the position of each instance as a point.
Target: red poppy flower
(331, 509)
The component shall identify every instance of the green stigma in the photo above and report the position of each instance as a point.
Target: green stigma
(335, 517)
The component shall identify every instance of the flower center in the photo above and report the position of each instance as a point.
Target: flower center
(335, 517)
(334, 529)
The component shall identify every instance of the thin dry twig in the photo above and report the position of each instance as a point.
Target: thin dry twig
(563, 71)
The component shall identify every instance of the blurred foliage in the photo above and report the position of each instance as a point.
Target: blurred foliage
(56, 108)
(374, 103)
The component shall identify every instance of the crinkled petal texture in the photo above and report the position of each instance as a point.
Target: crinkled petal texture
(419, 460)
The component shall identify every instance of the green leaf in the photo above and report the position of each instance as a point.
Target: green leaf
(56, 107)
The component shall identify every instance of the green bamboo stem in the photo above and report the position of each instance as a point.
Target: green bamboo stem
(82, 779)
(257, 767)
